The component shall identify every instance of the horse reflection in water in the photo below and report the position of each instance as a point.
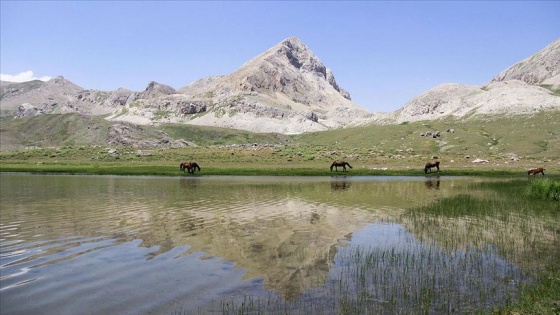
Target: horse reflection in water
(340, 185)
(189, 183)
(432, 184)
(189, 167)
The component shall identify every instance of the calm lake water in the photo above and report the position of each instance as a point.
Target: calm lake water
(158, 245)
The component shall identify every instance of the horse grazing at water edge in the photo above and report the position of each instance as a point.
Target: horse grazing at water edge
(189, 167)
(535, 171)
(429, 166)
(342, 164)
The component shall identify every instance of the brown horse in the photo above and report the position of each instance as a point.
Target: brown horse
(429, 166)
(342, 164)
(189, 167)
(535, 171)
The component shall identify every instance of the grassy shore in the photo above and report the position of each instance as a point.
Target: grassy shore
(287, 160)
(243, 170)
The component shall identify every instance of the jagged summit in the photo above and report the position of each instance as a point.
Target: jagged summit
(289, 67)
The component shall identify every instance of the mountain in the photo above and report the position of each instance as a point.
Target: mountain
(528, 86)
(286, 89)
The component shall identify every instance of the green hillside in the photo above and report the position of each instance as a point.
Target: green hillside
(536, 136)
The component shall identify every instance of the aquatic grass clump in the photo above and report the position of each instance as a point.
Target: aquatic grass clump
(514, 218)
(547, 189)
(420, 278)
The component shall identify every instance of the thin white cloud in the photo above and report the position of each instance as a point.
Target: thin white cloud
(22, 77)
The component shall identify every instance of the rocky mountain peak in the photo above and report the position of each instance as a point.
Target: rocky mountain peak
(300, 56)
(290, 68)
(59, 80)
(540, 68)
(155, 89)
(287, 89)
(62, 82)
(528, 86)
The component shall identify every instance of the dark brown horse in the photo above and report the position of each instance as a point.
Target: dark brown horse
(342, 164)
(429, 166)
(535, 171)
(189, 167)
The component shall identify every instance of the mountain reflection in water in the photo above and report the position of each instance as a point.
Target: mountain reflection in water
(283, 230)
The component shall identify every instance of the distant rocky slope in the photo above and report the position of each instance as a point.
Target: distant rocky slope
(542, 68)
(529, 86)
(511, 97)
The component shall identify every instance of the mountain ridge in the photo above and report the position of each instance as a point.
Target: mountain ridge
(287, 89)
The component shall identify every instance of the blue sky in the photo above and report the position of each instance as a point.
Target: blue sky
(383, 53)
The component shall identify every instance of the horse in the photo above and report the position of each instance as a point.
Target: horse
(189, 167)
(535, 171)
(429, 166)
(343, 164)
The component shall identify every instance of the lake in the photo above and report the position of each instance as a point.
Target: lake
(73, 244)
